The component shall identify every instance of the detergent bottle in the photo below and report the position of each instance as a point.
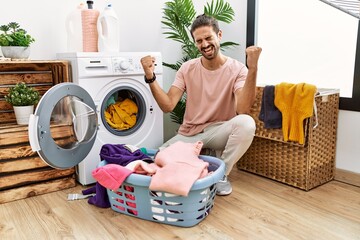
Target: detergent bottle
(81, 27)
(89, 19)
(74, 30)
(108, 31)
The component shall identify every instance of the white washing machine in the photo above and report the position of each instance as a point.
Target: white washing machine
(105, 78)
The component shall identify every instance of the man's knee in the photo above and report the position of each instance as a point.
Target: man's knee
(245, 124)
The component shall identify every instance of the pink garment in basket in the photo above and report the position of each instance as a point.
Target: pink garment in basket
(180, 167)
(111, 175)
(142, 167)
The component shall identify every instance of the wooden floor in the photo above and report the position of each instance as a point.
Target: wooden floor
(258, 208)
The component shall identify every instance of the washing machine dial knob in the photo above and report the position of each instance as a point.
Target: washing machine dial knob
(124, 65)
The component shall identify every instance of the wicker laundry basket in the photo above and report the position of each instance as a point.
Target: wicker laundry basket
(303, 166)
(134, 198)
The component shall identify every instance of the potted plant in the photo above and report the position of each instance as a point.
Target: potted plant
(23, 98)
(178, 17)
(15, 41)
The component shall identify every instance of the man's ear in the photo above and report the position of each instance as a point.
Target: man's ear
(219, 34)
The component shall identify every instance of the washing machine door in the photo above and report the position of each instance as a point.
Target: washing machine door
(63, 128)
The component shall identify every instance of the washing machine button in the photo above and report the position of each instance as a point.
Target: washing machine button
(124, 65)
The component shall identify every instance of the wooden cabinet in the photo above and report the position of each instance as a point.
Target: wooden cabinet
(22, 172)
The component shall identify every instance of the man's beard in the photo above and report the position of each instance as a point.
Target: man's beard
(214, 50)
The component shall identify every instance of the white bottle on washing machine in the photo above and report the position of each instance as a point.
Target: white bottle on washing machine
(73, 26)
(108, 30)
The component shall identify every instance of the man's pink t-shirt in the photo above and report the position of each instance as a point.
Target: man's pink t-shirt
(210, 94)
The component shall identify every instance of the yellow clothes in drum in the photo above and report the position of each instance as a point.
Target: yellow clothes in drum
(121, 115)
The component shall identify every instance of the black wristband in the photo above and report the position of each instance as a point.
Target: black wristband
(150, 80)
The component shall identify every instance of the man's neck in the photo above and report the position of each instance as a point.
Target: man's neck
(214, 63)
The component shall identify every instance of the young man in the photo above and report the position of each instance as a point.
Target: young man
(220, 92)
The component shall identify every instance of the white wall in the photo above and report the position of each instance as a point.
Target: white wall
(140, 23)
(312, 45)
(348, 141)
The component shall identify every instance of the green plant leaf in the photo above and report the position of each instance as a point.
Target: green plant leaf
(22, 95)
(4, 28)
(220, 10)
(172, 66)
(13, 35)
(178, 16)
(14, 26)
(177, 115)
(226, 45)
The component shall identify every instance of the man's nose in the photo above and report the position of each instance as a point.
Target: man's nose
(204, 44)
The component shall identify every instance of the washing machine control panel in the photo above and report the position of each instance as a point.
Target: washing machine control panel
(132, 65)
(126, 65)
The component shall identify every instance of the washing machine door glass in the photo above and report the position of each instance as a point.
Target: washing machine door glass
(63, 128)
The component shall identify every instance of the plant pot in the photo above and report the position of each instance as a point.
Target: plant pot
(15, 52)
(23, 113)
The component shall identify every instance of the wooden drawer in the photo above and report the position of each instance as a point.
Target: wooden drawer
(22, 172)
(41, 75)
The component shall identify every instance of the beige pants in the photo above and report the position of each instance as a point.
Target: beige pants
(232, 138)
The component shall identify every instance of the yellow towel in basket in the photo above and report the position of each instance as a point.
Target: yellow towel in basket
(295, 101)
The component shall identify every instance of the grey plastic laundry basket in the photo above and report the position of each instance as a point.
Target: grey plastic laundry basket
(134, 198)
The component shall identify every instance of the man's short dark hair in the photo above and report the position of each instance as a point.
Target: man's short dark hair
(204, 20)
